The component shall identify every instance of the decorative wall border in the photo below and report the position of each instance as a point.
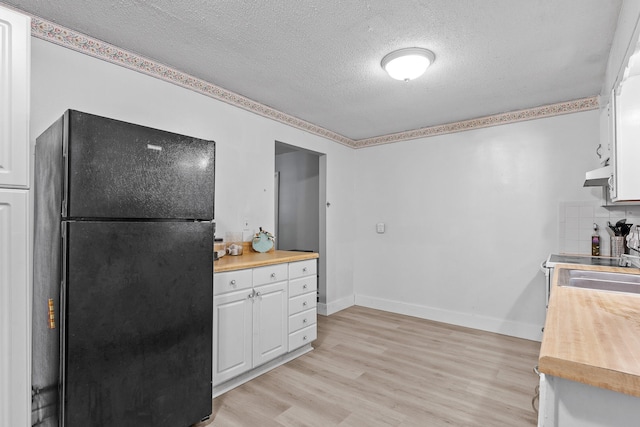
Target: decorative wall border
(584, 104)
(71, 39)
(79, 42)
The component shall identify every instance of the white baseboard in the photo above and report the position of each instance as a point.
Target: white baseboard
(485, 323)
(336, 306)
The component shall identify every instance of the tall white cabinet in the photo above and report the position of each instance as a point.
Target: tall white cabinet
(15, 219)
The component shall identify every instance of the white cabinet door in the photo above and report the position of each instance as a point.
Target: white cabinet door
(627, 145)
(270, 322)
(15, 57)
(14, 308)
(232, 334)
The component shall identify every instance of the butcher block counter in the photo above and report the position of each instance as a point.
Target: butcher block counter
(593, 336)
(250, 259)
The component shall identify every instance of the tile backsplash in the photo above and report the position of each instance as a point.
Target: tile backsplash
(576, 225)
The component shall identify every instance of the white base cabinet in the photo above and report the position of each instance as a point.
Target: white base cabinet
(249, 325)
(262, 319)
(566, 403)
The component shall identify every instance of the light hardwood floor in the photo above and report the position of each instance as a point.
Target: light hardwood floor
(374, 368)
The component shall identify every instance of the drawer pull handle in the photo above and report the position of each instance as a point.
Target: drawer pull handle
(273, 275)
(304, 338)
(304, 270)
(304, 286)
(304, 304)
(233, 282)
(258, 294)
(304, 320)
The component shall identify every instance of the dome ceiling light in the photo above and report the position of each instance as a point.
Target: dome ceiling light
(407, 64)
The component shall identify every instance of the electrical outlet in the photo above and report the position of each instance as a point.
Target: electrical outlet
(245, 224)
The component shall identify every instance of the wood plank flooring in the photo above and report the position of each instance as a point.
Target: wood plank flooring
(374, 368)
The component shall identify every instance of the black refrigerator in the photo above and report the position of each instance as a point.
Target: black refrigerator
(123, 275)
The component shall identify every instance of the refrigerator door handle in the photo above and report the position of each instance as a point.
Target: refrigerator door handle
(65, 168)
(62, 311)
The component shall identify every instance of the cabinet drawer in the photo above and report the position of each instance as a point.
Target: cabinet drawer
(303, 285)
(302, 320)
(303, 268)
(230, 281)
(301, 303)
(302, 337)
(269, 274)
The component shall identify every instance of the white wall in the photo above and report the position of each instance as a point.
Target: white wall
(470, 216)
(245, 144)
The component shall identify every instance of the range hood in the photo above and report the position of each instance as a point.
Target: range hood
(598, 177)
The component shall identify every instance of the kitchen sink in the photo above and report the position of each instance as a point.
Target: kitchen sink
(601, 280)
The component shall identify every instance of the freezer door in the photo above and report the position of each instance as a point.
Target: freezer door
(116, 169)
(137, 331)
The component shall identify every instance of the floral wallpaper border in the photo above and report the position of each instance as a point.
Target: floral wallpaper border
(71, 39)
(584, 104)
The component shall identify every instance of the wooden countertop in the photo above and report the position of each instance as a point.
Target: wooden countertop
(593, 336)
(250, 259)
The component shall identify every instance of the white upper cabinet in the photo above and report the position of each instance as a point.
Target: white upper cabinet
(625, 185)
(15, 56)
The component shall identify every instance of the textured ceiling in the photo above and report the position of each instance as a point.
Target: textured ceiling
(320, 60)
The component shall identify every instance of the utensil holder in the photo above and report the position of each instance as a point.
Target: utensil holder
(617, 246)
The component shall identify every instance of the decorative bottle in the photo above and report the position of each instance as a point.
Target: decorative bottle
(595, 241)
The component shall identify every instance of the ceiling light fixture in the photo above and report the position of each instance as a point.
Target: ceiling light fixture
(407, 64)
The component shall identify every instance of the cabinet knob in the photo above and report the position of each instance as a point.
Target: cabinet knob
(304, 286)
(273, 275)
(304, 270)
(304, 320)
(304, 338)
(258, 294)
(233, 282)
(304, 304)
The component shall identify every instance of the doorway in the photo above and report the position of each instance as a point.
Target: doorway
(300, 198)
